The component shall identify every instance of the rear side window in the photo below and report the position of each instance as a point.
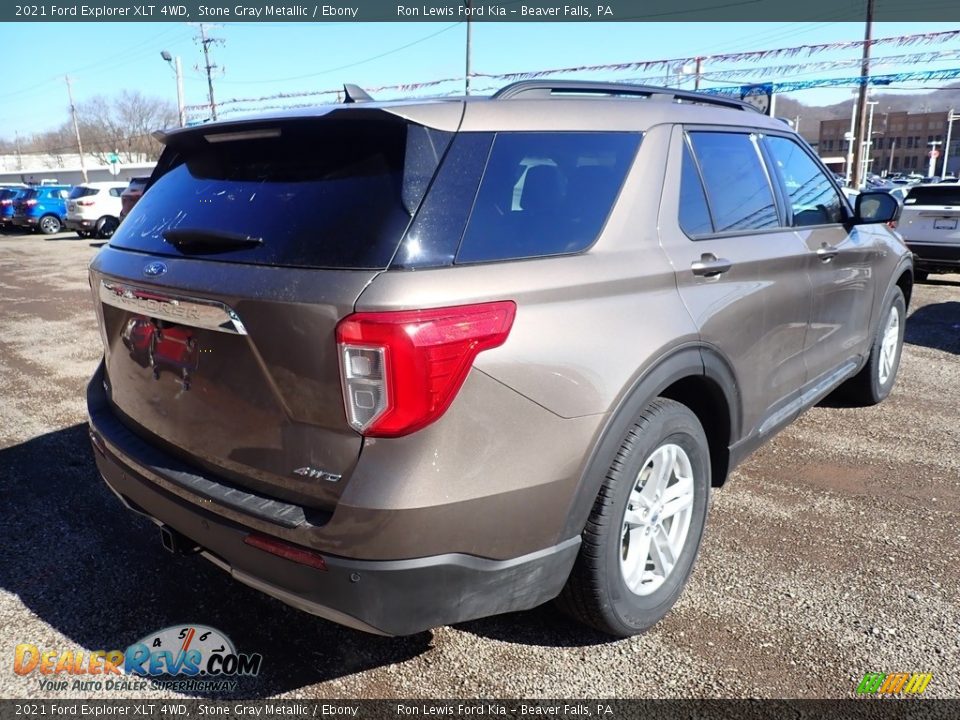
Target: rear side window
(694, 214)
(933, 195)
(320, 192)
(80, 191)
(812, 196)
(736, 182)
(115, 192)
(546, 193)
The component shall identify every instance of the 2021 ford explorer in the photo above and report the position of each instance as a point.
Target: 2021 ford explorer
(403, 365)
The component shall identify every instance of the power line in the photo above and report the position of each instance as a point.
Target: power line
(348, 65)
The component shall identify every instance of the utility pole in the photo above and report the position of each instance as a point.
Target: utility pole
(466, 75)
(210, 67)
(16, 135)
(946, 147)
(76, 128)
(698, 71)
(893, 149)
(862, 95)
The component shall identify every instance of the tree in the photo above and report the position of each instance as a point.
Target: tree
(124, 124)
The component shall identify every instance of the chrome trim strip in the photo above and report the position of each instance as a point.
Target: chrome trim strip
(195, 312)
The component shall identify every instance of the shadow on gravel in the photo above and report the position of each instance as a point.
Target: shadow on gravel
(97, 573)
(544, 626)
(935, 326)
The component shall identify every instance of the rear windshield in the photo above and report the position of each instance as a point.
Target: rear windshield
(933, 195)
(324, 193)
(80, 191)
(7, 194)
(30, 194)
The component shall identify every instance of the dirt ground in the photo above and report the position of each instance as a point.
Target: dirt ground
(830, 553)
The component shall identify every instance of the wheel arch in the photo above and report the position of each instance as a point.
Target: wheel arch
(696, 376)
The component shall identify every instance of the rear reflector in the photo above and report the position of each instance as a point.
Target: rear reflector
(286, 550)
(401, 370)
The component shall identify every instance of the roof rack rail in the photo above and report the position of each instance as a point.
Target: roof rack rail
(554, 88)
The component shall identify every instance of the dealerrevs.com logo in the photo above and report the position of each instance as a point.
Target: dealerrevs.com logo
(180, 657)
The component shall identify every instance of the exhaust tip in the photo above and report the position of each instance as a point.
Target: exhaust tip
(175, 543)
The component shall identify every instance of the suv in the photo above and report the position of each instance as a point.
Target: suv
(410, 364)
(93, 209)
(42, 208)
(929, 227)
(8, 199)
(131, 194)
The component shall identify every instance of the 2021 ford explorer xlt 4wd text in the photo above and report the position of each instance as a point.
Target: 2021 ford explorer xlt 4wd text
(409, 364)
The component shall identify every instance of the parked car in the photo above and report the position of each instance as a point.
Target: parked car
(342, 364)
(929, 227)
(8, 196)
(93, 209)
(132, 194)
(42, 208)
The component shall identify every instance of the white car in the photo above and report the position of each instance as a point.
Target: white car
(930, 225)
(93, 209)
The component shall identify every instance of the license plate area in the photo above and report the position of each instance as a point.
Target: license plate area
(162, 347)
(945, 224)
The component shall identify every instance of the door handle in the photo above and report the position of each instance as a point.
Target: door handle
(826, 253)
(709, 265)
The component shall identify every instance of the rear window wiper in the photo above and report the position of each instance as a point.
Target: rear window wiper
(200, 240)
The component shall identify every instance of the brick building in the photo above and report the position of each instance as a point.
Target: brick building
(900, 141)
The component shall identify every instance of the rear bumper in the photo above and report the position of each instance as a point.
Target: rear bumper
(929, 256)
(390, 597)
(24, 220)
(78, 223)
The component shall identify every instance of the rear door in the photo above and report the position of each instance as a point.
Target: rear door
(740, 273)
(220, 292)
(840, 259)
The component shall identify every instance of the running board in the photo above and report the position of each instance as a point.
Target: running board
(809, 397)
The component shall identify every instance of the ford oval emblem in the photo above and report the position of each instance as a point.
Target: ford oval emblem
(154, 269)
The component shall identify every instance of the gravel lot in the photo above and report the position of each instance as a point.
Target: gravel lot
(830, 553)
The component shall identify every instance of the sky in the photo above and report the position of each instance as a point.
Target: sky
(259, 59)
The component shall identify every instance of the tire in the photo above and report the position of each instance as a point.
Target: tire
(597, 592)
(876, 379)
(920, 276)
(105, 227)
(49, 225)
(82, 234)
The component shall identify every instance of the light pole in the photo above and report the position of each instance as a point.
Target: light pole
(868, 144)
(178, 71)
(851, 138)
(933, 156)
(946, 146)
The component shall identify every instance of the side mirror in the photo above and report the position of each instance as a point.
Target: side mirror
(876, 207)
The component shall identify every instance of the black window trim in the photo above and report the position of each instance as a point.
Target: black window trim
(755, 134)
(641, 134)
(798, 141)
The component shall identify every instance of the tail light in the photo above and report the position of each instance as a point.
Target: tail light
(29, 203)
(85, 203)
(401, 370)
(5, 202)
(286, 550)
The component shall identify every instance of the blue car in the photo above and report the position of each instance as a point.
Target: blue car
(8, 196)
(43, 208)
